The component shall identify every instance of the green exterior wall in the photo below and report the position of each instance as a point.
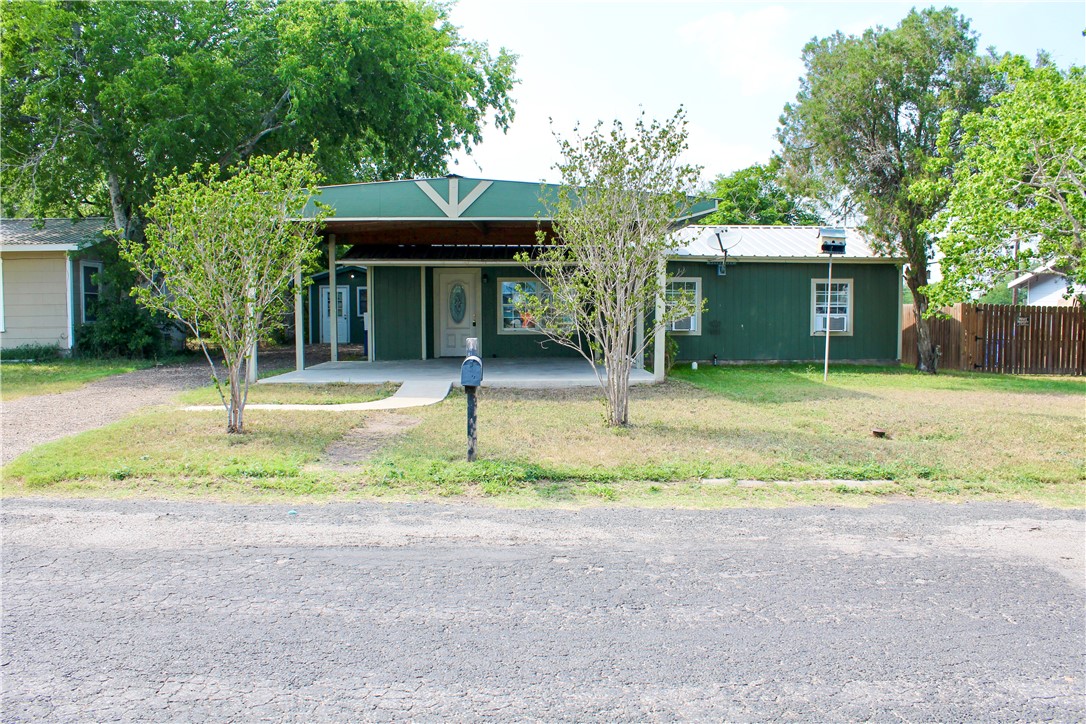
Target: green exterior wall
(762, 311)
(511, 345)
(396, 312)
(758, 311)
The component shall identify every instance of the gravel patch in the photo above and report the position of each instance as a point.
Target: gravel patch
(31, 421)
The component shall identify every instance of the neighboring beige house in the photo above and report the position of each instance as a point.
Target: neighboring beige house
(47, 280)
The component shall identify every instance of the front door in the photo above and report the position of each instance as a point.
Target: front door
(343, 319)
(457, 292)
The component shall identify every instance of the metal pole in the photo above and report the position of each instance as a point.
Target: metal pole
(472, 423)
(829, 292)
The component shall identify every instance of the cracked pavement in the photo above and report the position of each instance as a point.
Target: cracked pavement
(166, 611)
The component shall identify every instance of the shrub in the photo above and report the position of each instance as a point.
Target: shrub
(30, 353)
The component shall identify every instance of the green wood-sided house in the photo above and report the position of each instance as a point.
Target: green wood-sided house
(421, 265)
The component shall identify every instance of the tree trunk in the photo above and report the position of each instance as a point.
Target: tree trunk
(234, 421)
(925, 350)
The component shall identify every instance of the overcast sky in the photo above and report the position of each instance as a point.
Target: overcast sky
(732, 65)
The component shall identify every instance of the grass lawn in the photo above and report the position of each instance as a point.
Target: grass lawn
(704, 439)
(289, 394)
(19, 379)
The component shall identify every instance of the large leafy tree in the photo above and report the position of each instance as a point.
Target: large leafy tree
(220, 250)
(754, 195)
(99, 99)
(866, 122)
(613, 217)
(1019, 194)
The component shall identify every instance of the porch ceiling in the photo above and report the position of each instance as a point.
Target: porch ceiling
(379, 233)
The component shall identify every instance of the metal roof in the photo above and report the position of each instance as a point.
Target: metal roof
(55, 235)
(449, 198)
(789, 243)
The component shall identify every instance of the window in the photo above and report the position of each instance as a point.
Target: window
(832, 303)
(88, 280)
(510, 293)
(361, 305)
(690, 287)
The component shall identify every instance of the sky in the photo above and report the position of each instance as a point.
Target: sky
(731, 65)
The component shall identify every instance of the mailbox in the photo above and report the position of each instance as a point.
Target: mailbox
(471, 372)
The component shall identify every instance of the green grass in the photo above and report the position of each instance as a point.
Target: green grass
(697, 441)
(285, 394)
(19, 379)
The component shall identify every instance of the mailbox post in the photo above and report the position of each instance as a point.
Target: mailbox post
(471, 376)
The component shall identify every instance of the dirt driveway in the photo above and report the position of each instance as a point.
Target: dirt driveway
(33, 420)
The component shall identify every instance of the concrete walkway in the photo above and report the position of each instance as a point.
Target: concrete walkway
(414, 393)
(515, 373)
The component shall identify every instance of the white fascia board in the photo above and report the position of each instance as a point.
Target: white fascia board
(787, 259)
(426, 219)
(38, 247)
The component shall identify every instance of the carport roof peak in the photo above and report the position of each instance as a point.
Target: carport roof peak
(450, 198)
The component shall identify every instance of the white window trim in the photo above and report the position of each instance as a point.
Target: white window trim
(696, 332)
(360, 294)
(83, 288)
(851, 316)
(524, 330)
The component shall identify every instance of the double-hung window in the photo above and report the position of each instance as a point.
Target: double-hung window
(88, 279)
(677, 289)
(831, 306)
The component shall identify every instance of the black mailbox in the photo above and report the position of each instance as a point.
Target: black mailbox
(471, 372)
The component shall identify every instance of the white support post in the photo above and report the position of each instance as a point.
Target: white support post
(829, 294)
(658, 341)
(299, 322)
(333, 300)
(639, 341)
(369, 313)
(422, 306)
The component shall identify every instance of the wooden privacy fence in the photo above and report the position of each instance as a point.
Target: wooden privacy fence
(1004, 338)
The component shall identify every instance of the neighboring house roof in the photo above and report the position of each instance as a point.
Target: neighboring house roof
(449, 198)
(55, 235)
(770, 243)
(1029, 276)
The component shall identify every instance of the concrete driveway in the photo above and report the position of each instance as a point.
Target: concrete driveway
(151, 611)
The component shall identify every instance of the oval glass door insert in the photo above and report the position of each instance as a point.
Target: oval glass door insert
(458, 303)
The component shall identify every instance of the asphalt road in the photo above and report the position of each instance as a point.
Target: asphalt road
(180, 612)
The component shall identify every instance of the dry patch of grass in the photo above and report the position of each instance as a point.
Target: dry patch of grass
(694, 442)
(294, 394)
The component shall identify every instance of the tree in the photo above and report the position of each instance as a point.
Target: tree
(220, 252)
(1018, 198)
(867, 120)
(754, 195)
(604, 266)
(98, 100)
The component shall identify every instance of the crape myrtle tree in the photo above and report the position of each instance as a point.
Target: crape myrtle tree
(868, 119)
(100, 99)
(604, 263)
(755, 195)
(1018, 197)
(219, 252)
